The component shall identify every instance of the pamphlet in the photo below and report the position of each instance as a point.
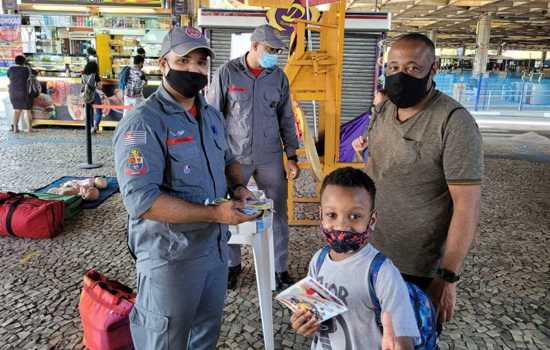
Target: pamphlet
(309, 294)
(252, 207)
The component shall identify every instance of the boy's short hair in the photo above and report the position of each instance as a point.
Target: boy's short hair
(141, 51)
(20, 60)
(352, 178)
(139, 59)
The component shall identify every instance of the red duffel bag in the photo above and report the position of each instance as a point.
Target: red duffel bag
(105, 307)
(24, 215)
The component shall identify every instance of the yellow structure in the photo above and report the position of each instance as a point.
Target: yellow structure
(103, 48)
(316, 76)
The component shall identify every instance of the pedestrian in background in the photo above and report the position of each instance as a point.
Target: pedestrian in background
(20, 97)
(135, 81)
(90, 81)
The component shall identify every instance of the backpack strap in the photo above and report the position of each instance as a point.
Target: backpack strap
(126, 74)
(321, 258)
(374, 268)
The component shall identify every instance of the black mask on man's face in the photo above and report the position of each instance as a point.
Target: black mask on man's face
(406, 91)
(187, 84)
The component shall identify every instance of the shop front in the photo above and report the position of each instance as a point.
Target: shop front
(55, 37)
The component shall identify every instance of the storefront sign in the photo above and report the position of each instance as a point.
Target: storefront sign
(281, 18)
(10, 41)
(146, 3)
(10, 21)
(9, 4)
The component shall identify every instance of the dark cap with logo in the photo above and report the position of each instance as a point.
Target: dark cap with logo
(267, 35)
(183, 40)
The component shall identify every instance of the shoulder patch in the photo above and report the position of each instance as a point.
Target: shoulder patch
(135, 164)
(135, 138)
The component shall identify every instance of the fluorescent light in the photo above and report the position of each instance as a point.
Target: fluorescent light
(64, 8)
(130, 10)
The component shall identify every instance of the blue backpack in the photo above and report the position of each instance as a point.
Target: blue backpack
(424, 311)
(123, 78)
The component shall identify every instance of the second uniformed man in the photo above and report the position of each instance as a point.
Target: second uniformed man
(253, 94)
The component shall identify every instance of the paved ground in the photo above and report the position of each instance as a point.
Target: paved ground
(503, 303)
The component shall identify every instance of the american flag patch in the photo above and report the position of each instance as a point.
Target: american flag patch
(135, 137)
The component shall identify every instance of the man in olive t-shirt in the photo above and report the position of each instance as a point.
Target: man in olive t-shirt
(424, 154)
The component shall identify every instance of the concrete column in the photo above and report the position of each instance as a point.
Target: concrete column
(432, 35)
(482, 41)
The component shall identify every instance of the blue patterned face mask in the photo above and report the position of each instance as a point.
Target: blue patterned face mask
(268, 60)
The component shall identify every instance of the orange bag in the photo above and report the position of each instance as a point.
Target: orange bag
(104, 308)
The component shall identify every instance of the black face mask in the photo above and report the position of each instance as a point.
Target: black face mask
(406, 91)
(186, 83)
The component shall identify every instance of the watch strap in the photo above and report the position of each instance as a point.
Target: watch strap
(447, 275)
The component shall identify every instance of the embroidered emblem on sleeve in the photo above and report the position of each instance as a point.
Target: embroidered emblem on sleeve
(135, 164)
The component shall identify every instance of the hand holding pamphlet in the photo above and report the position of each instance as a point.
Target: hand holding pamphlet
(252, 207)
(308, 294)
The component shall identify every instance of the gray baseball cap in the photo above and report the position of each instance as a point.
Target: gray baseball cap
(183, 40)
(267, 35)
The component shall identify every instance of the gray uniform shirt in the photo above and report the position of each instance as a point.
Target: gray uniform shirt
(161, 148)
(258, 111)
(413, 163)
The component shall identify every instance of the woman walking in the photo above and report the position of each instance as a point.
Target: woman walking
(90, 80)
(20, 97)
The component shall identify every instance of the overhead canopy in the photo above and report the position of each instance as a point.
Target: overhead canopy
(147, 3)
(515, 24)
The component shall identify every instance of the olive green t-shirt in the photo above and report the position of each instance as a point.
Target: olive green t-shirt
(412, 163)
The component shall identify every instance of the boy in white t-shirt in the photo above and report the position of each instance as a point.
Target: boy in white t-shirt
(347, 219)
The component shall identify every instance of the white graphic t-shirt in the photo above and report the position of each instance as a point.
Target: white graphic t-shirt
(348, 280)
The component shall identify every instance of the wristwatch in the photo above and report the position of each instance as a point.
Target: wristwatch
(294, 158)
(448, 276)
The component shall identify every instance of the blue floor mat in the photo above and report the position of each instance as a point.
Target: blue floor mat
(112, 187)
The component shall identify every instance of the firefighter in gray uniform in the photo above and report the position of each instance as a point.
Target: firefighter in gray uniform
(253, 94)
(172, 157)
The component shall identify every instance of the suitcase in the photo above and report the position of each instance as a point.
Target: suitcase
(104, 309)
(25, 215)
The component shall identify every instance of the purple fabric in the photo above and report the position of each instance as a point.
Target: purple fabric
(349, 132)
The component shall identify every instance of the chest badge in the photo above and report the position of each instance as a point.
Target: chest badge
(177, 133)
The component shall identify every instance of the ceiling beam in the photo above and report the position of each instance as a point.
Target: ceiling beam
(471, 3)
(523, 22)
(434, 2)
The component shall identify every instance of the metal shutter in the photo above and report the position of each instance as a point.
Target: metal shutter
(359, 68)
